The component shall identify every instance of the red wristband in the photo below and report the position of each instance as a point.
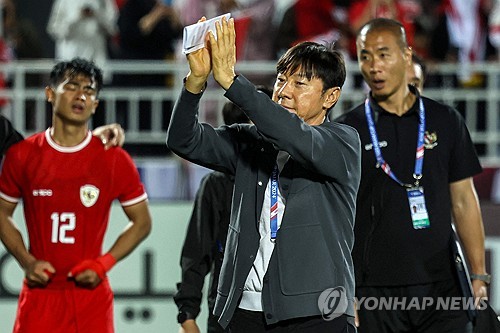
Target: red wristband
(107, 261)
(88, 264)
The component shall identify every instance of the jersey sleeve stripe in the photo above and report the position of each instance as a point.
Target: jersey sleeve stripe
(9, 198)
(131, 202)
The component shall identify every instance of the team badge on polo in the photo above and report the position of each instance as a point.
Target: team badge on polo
(430, 140)
(89, 195)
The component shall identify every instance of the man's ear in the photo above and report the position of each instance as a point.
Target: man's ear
(332, 95)
(408, 54)
(49, 94)
(96, 104)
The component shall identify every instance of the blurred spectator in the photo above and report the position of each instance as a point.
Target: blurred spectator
(255, 33)
(19, 35)
(280, 7)
(19, 40)
(26, 43)
(404, 11)
(192, 10)
(148, 30)
(120, 3)
(461, 36)
(6, 49)
(259, 29)
(254, 23)
(494, 27)
(330, 24)
(81, 28)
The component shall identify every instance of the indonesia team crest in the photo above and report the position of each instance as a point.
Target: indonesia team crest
(430, 140)
(89, 195)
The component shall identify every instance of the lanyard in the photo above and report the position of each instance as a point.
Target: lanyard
(419, 156)
(274, 202)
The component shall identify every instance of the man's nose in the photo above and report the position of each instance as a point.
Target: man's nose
(374, 65)
(285, 90)
(80, 94)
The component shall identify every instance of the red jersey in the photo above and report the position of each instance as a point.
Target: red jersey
(67, 194)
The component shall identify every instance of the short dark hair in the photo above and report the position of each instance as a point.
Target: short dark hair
(74, 67)
(385, 24)
(232, 114)
(315, 60)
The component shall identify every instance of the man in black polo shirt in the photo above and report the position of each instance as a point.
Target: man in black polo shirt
(417, 166)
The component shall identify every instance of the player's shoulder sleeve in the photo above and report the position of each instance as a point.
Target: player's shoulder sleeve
(127, 180)
(13, 171)
(464, 162)
(453, 139)
(8, 135)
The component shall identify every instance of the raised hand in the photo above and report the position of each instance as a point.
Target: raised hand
(199, 68)
(223, 52)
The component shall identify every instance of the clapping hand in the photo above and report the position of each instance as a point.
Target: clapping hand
(199, 67)
(223, 51)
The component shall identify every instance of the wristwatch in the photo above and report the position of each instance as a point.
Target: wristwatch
(486, 278)
(182, 316)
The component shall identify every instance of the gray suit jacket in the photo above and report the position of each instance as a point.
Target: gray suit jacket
(320, 182)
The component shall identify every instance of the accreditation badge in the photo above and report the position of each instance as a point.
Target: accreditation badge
(419, 215)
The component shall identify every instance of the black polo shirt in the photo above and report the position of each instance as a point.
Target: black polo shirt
(388, 251)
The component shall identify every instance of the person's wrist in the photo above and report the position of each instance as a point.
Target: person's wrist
(189, 324)
(486, 278)
(184, 316)
(225, 81)
(194, 83)
(28, 261)
(228, 83)
(107, 261)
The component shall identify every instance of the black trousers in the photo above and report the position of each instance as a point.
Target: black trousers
(416, 319)
(245, 321)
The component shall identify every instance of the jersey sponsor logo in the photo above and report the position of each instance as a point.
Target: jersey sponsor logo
(430, 140)
(42, 193)
(88, 195)
(381, 144)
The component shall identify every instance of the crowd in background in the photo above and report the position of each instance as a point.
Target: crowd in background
(456, 31)
(438, 30)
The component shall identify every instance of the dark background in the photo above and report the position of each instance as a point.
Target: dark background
(38, 12)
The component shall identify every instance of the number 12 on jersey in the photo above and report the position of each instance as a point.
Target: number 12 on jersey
(61, 224)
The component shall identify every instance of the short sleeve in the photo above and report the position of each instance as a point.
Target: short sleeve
(8, 135)
(127, 180)
(464, 162)
(11, 176)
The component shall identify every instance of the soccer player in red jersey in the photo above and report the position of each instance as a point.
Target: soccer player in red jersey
(67, 181)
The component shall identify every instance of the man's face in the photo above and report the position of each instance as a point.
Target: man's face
(74, 99)
(383, 63)
(415, 76)
(304, 97)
